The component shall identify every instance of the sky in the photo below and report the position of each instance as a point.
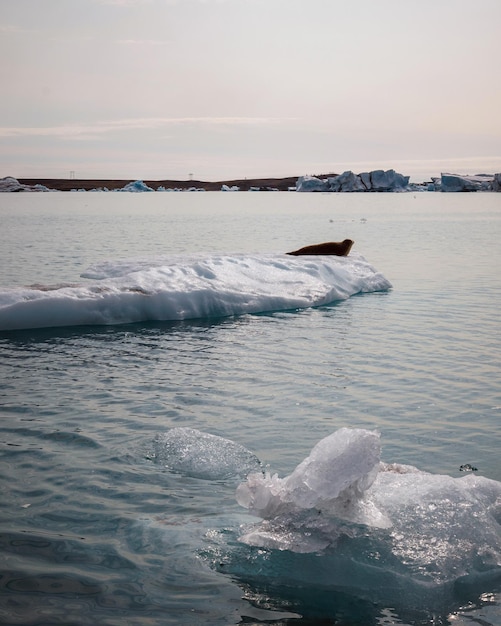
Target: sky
(228, 89)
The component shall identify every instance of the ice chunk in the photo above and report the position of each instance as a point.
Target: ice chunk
(347, 181)
(333, 478)
(201, 455)
(436, 528)
(384, 533)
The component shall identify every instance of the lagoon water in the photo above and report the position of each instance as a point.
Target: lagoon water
(123, 445)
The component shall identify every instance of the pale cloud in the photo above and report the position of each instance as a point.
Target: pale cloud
(142, 42)
(80, 131)
(13, 30)
(124, 3)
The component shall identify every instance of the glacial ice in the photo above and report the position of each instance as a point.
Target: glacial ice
(10, 184)
(137, 186)
(374, 181)
(189, 287)
(377, 180)
(456, 182)
(432, 528)
(333, 478)
(345, 527)
(391, 181)
(202, 455)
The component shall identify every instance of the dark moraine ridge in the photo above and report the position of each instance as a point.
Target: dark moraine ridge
(67, 184)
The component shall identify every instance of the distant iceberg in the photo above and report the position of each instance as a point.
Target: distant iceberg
(377, 180)
(10, 184)
(478, 182)
(347, 182)
(136, 187)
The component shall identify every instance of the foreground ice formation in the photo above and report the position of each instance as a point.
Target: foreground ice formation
(343, 484)
(344, 522)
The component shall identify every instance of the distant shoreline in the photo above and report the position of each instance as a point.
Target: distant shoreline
(244, 184)
(375, 181)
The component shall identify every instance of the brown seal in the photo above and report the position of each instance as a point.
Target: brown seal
(338, 248)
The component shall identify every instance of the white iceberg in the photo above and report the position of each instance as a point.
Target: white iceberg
(333, 478)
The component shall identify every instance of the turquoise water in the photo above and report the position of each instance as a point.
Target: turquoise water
(94, 530)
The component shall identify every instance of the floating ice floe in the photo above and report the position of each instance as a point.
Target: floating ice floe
(189, 287)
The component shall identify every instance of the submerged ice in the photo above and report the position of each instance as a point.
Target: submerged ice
(197, 454)
(189, 287)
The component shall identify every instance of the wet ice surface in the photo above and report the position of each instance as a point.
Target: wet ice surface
(388, 533)
(202, 455)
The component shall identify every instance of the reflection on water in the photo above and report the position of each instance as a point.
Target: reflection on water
(94, 530)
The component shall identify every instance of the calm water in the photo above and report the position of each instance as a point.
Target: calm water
(94, 531)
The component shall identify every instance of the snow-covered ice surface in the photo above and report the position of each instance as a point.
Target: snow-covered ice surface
(189, 287)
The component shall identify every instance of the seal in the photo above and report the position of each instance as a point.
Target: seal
(337, 248)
